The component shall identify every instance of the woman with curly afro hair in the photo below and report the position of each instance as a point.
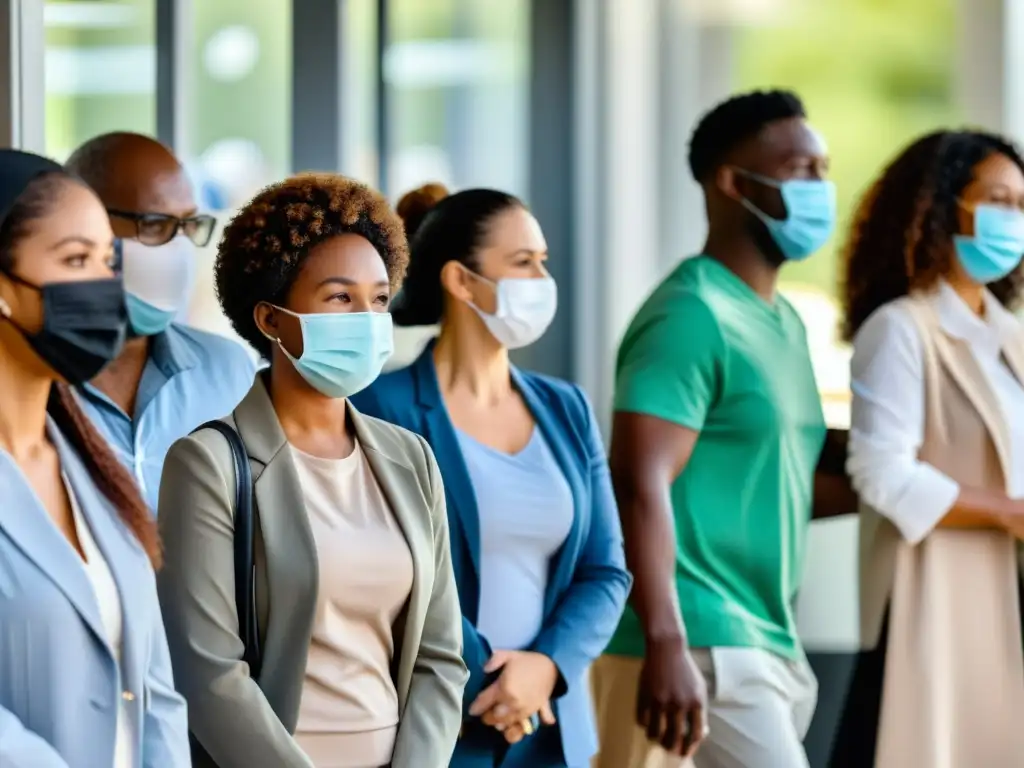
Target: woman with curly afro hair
(356, 659)
(933, 267)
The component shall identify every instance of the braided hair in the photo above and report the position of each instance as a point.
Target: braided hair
(901, 239)
(105, 470)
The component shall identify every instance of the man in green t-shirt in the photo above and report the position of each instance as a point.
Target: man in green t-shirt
(717, 433)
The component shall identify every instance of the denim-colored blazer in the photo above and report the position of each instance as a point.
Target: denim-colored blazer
(588, 582)
(60, 687)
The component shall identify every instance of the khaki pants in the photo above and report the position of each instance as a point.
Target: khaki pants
(760, 708)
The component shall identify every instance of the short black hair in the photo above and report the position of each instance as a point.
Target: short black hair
(734, 121)
(267, 242)
(442, 228)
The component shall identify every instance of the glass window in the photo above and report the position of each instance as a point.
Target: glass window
(360, 73)
(457, 77)
(873, 77)
(457, 73)
(239, 110)
(100, 70)
(240, 98)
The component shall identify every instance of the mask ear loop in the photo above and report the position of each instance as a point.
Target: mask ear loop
(759, 179)
(264, 334)
(767, 181)
(5, 309)
(492, 283)
(478, 276)
(277, 339)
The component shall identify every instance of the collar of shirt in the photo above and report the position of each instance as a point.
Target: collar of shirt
(987, 334)
(169, 353)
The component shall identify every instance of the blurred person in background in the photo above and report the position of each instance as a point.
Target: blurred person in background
(170, 378)
(717, 433)
(357, 608)
(937, 456)
(535, 533)
(85, 677)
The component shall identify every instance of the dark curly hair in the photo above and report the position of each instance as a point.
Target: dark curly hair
(442, 228)
(733, 122)
(105, 470)
(903, 228)
(267, 242)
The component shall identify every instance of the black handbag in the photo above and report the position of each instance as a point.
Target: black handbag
(245, 548)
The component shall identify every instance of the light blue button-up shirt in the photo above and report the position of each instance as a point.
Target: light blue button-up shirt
(190, 378)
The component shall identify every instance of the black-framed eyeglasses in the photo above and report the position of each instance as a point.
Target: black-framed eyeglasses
(159, 228)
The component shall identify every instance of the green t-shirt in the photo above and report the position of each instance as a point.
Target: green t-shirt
(709, 354)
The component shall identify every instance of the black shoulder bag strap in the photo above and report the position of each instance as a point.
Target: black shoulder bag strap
(245, 548)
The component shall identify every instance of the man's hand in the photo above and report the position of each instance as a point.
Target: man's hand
(672, 701)
(524, 687)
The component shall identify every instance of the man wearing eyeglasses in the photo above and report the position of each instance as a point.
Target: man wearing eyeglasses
(170, 378)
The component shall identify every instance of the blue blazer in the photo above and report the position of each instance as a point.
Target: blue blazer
(60, 687)
(588, 582)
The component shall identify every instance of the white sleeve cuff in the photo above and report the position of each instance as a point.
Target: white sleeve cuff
(926, 499)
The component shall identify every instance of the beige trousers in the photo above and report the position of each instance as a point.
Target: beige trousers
(760, 707)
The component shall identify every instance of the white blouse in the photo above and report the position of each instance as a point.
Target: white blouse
(887, 420)
(109, 601)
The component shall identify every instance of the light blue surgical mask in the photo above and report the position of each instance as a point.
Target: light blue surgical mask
(810, 214)
(997, 245)
(158, 282)
(146, 319)
(342, 352)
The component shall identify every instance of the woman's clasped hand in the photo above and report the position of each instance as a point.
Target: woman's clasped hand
(522, 690)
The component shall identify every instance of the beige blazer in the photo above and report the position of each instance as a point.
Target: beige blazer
(953, 689)
(242, 724)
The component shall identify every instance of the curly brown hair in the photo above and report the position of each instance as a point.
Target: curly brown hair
(267, 242)
(901, 239)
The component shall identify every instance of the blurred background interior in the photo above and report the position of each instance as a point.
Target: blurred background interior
(582, 107)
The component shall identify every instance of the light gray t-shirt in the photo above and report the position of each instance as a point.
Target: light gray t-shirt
(526, 510)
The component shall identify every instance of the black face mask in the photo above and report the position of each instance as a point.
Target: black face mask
(84, 325)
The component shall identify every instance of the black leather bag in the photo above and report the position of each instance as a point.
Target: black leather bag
(245, 548)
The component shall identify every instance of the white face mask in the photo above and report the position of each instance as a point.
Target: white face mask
(158, 281)
(525, 308)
